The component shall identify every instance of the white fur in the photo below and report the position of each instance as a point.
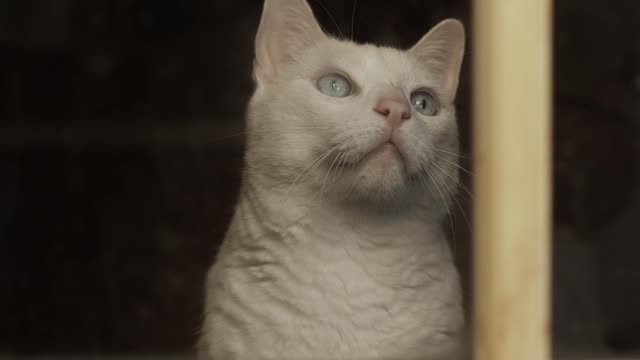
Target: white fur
(336, 249)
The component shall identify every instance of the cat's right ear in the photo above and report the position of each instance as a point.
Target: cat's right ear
(442, 50)
(286, 29)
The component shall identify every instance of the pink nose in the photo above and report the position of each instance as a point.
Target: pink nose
(395, 110)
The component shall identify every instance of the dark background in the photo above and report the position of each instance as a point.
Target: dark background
(121, 146)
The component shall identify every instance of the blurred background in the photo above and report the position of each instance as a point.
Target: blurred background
(121, 149)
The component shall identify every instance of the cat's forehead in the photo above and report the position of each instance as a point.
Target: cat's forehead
(370, 63)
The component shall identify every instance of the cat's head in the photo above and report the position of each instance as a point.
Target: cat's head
(346, 120)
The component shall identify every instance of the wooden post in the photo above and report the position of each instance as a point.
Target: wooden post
(512, 149)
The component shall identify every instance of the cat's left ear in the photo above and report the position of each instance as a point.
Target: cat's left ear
(442, 50)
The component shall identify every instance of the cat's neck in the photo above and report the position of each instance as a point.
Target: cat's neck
(281, 207)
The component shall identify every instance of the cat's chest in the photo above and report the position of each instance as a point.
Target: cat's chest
(334, 286)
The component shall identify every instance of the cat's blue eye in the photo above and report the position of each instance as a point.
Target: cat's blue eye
(335, 85)
(424, 102)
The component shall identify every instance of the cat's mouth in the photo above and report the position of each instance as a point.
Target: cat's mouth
(391, 146)
(388, 151)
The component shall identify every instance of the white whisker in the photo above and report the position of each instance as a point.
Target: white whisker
(453, 231)
(454, 164)
(262, 131)
(309, 167)
(464, 215)
(338, 166)
(457, 181)
(331, 17)
(452, 153)
(328, 172)
(353, 18)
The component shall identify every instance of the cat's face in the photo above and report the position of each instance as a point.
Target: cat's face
(348, 120)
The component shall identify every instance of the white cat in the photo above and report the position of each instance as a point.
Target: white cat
(336, 249)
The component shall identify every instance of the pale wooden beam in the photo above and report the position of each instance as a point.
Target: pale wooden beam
(512, 149)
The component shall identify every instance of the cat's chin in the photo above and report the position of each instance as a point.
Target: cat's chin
(381, 173)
